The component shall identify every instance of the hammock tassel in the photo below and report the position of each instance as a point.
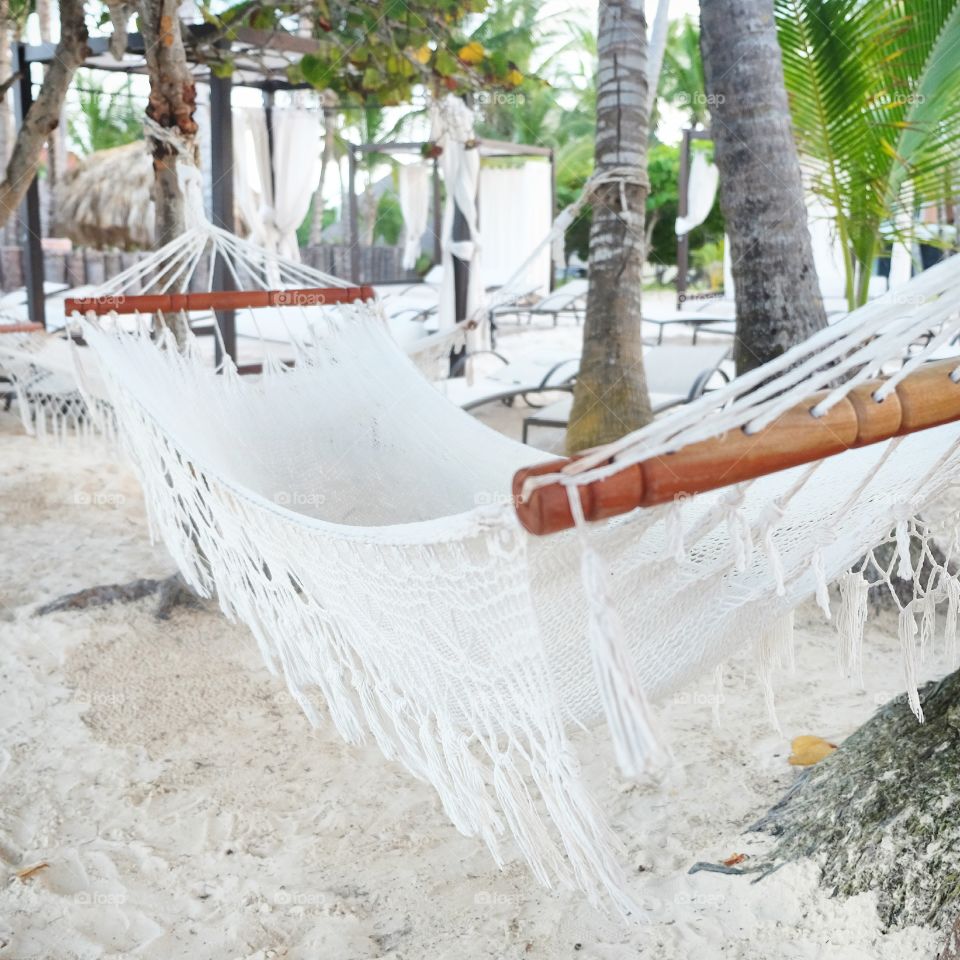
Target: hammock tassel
(771, 516)
(717, 695)
(904, 567)
(775, 644)
(673, 529)
(952, 588)
(928, 623)
(908, 646)
(820, 576)
(624, 704)
(738, 531)
(851, 623)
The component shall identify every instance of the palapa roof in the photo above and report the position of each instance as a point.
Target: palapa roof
(106, 200)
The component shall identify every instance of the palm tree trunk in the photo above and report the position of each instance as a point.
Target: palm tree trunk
(173, 99)
(610, 398)
(761, 191)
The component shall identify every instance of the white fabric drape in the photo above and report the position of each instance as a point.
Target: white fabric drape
(515, 215)
(452, 129)
(414, 189)
(704, 177)
(273, 201)
(297, 149)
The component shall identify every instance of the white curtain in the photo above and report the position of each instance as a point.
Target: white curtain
(251, 166)
(515, 215)
(297, 155)
(452, 129)
(704, 177)
(414, 205)
(274, 201)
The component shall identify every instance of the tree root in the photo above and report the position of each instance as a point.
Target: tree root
(171, 592)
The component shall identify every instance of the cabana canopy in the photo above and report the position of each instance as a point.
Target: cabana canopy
(260, 60)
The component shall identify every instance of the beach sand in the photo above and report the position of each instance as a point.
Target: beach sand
(182, 807)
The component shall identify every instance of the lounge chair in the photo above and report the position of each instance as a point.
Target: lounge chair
(570, 298)
(521, 378)
(675, 375)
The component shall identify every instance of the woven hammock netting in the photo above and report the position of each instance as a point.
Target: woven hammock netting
(363, 527)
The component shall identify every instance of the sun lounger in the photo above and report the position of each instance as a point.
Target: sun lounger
(570, 298)
(675, 375)
(521, 378)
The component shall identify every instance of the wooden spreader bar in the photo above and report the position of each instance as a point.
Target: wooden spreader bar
(926, 398)
(217, 300)
(21, 327)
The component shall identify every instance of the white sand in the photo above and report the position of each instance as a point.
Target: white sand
(186, 810)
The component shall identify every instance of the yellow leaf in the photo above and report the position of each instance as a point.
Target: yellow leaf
(473, 52)
(808, 750)
(515, 77)
(422, 55)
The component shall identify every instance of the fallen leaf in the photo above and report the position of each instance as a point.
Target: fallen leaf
(27, 872)
(732, 861)
(808, 750)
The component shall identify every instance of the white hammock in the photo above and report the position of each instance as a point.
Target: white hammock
(363, 527)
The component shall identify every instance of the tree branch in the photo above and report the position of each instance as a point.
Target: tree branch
(44, 114)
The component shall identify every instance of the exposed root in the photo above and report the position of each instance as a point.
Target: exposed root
(171, 592)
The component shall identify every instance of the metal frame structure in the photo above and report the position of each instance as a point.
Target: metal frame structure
(247, 47)
(488, 148)
(683, 202)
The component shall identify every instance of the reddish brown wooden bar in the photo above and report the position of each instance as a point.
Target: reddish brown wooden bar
(927, 398)
(217, 300)
(21, 327)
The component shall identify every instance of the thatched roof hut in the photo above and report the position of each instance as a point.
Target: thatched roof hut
(106, 200)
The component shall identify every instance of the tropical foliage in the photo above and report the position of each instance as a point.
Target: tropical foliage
(681, 76)
(380, 53)
(874, 88)
(103, 119)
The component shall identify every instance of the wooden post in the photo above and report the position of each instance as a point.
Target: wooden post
(221, 166)
(437, 214)
(553, 212)
(353, 236)
(31, 229)
(268, 103)
(683, 205)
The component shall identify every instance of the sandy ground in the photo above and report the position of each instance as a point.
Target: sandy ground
(183, 808)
